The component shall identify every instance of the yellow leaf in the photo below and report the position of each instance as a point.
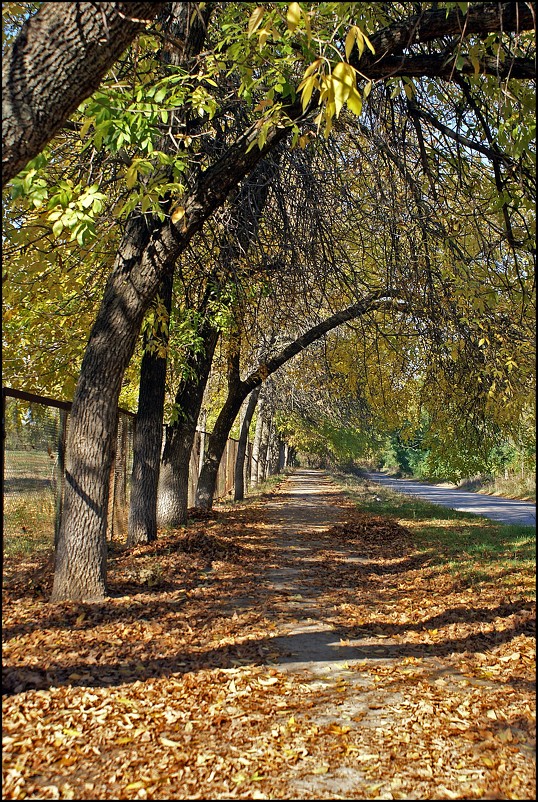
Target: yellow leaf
(321, 770)
(125, 701)
(74, 733)
(492, 714)
(124, 740)
(135, 786)
(310, 69)
(370, 46)
(131, 176)
(171, 744)
(354, 102)
(268, 681)
(343, 81)
(307, 89)
(350, 41)
(86, 127)
(293, 16)
(178, 213)
(255, 19)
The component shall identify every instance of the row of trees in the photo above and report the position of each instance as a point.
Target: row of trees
(246, 180)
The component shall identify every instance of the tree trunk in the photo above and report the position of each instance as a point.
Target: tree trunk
(174, 473)
(254, 468)
(239, 475)
(57, 61)
(264, 447)
(80, 568)
(215, 448)
(282, 453)
(148, 437)
(149, 430)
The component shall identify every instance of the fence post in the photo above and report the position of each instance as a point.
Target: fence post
(60, 474)
(120, 480)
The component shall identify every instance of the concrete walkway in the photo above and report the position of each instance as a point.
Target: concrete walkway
(505, 510)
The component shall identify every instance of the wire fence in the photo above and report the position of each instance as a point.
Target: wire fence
(35, 432)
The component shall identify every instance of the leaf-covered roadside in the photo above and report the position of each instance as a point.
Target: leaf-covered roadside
(170, 693)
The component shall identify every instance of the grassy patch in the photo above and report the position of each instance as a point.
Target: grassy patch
(28, 523)
(474, 549)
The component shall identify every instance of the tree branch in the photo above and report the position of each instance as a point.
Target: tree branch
(377, 300)
(435, 24)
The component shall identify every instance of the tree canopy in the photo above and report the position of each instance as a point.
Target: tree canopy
(406, 134)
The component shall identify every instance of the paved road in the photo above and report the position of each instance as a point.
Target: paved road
(505, 510)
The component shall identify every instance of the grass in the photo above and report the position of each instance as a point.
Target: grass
(472, 548)
(28, 523)
(518, 487)
(28, 502)
(38, 464)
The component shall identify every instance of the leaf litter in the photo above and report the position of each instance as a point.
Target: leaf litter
(174, 687)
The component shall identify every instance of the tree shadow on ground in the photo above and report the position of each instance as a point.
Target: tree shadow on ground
(325, 646)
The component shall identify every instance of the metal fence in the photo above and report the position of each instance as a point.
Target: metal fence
(33, 467)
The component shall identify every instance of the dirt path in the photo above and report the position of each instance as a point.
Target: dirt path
(308, 504)
(342, 662)
(308, 642)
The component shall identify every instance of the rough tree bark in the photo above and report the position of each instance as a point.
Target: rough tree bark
(58, 60)
(254, 468)
(264, 445)
(147, 441)
(173, 488)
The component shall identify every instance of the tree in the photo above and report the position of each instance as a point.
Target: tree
(239, 471)
(150, 248)
(240, 229)
(239, 389)
(190, 30)
(58, 59)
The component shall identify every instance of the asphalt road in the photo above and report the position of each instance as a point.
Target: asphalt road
(505, 510)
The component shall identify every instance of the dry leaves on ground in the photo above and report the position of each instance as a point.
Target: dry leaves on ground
(167, 690)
